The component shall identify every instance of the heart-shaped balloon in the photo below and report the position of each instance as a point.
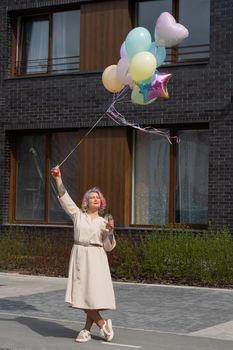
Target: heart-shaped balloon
(168, 32)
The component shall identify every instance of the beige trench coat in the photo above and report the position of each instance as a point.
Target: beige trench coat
(89, 283)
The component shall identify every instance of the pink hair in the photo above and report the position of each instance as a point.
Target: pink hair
(87, 196)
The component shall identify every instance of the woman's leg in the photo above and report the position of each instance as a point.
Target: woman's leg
(89, 322)
(94, 316)
(104, 325)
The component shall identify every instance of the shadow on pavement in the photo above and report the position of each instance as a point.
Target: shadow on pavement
(12, 305)
(45, 328)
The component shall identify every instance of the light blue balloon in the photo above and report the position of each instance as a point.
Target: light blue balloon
(160, 55)
(137, 40)
(153, 48)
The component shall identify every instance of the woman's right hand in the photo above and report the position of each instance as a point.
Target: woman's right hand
(56, 173)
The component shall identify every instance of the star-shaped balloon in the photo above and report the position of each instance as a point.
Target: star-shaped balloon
(157, 88)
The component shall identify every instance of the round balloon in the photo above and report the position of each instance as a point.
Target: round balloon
(122, 72)
(123, 52)
(142, 66)
(153, 48)
(110, 79)
(137, 97)
(137, 40)
(160, 55)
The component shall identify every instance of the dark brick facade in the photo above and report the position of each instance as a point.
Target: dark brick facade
(200, 93)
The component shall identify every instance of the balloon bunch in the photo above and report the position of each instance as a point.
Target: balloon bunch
(139, 59)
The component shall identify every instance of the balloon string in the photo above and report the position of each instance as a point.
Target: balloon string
(89, 131)
(116, 98)
(119, 119)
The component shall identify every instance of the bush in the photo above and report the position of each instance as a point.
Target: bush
(183, 257)
(33, 253)
(167, 256)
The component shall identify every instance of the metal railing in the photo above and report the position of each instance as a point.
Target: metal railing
(191, 53)
(181, 54)
(48, 65)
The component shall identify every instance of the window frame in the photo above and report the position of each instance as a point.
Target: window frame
(175, 49)
(172, 177)
(17, 47)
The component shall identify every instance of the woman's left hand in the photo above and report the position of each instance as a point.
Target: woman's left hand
(110, 224)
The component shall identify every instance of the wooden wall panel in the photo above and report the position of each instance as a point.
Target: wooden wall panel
(106, 162)
(104, 26)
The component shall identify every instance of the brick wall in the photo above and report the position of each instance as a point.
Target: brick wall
(199, 93)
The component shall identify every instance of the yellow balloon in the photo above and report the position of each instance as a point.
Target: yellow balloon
(142, 66)
(110, 79)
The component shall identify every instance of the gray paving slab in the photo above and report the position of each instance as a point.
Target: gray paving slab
(153, 316)
(153, 307)
(23, 333)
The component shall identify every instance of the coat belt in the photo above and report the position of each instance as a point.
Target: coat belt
(88, 244)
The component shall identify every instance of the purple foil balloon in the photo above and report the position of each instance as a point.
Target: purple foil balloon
(157, 88)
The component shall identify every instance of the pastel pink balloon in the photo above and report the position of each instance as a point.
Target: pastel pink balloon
(168, 32)
(123, 72)
(123, 52)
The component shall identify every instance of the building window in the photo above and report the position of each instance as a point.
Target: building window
(30, 184)
(95, 162)
(192, 177)
(171, 181)
(151, 175)
(48, 43)
(36, 195)
(194, 15)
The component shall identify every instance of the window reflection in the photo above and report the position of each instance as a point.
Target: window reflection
(49, 44)
(30, 185)
(153, 178)
(194, 15)
(34, 46)
(61, 145)
(192, 177)
(151, 188)
(148, 13)
(66, 39)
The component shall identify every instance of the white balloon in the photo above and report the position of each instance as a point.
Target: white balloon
(168, 32)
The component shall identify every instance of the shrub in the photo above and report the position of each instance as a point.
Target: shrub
(33, 253)
(166, 256)
(177, 256)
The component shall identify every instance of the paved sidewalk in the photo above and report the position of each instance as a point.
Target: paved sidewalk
(33, 316)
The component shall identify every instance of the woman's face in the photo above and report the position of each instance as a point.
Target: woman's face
(94, 201)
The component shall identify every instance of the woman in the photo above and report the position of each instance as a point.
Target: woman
(89, 284)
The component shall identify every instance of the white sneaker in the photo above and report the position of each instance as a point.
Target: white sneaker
(107, 331)
(83, 336)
